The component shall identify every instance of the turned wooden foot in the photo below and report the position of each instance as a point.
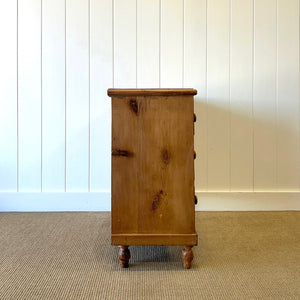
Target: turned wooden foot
(124, 256)
(187, 256)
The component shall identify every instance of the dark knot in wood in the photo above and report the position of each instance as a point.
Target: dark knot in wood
(165, 156)
(134, 106)
(157, 200)
(118, 152)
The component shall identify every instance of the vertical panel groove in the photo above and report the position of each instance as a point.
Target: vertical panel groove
(240, 95)
(65, 95)
(159, 44)
(252, 105)
(18, 140)
(171, 43)
(229, 90)
(89, 138)
(206, 98)
(287, 98)
(276, 99)
(125, 44)
(136, 48)
(183, 40)
(29, 95)
(77, 95)
(41, 95)
(100, 79)
(53, 96)
(218, 92)
(265, 96)
(147, 44)
(113, 43)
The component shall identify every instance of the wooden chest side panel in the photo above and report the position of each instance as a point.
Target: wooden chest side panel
(166, 165)
(124, 165)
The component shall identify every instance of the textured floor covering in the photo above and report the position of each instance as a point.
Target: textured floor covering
(241, 255)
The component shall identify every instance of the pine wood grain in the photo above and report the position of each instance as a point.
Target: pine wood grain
(153, 168)
(166, 163)
(124, 167)
(155, 239)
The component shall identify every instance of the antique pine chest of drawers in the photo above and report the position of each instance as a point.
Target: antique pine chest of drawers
(152, 170)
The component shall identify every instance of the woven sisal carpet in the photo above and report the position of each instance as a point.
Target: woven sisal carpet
(241, 255)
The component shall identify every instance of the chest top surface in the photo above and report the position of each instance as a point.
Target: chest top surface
(150, 92)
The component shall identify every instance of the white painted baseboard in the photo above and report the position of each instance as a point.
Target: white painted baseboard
(100, 201)
(247, 201)
(55, 201)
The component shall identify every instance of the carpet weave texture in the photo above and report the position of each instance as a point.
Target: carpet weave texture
(240, 255)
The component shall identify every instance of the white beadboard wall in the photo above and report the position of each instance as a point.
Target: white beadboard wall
(57, 59)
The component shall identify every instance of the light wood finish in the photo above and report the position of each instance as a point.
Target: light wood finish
(153, 167)
(166, 177)
(124, 198)
(154, 239)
